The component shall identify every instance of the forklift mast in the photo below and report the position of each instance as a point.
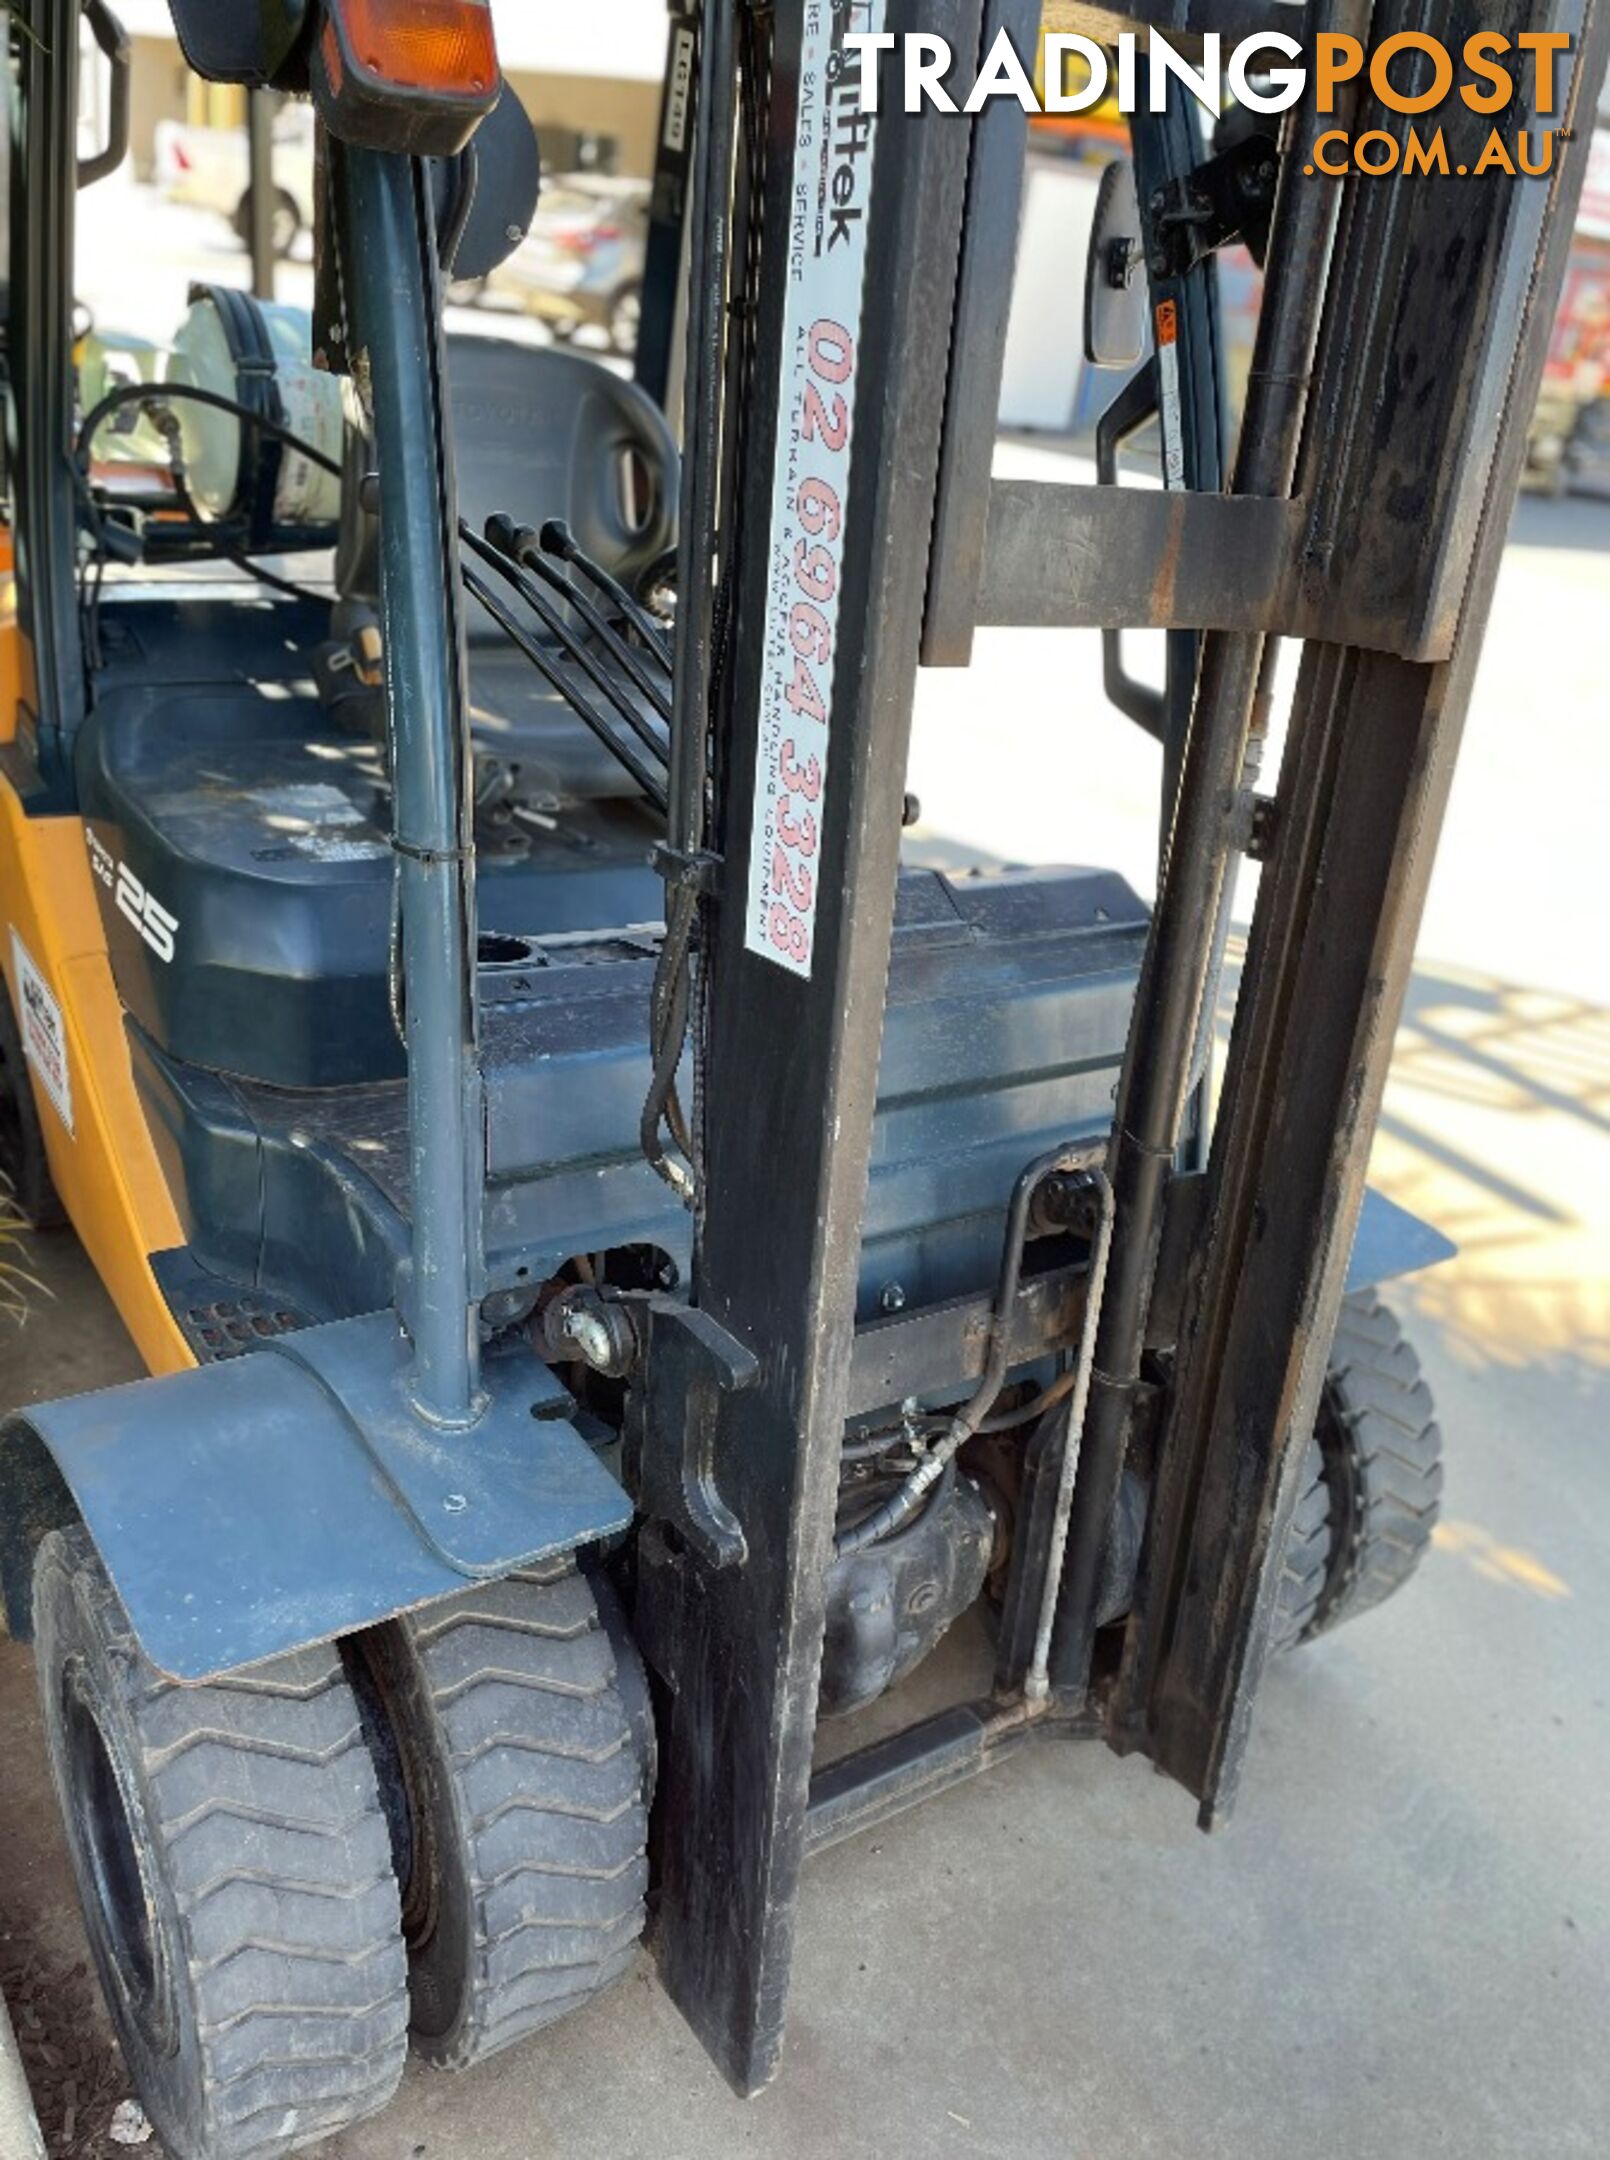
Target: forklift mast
(1361, 519)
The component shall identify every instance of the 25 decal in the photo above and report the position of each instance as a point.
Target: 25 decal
(155, 923)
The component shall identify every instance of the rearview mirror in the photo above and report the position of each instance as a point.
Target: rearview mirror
(1115, 274)
(502, 169)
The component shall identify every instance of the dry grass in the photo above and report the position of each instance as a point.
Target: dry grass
(18, 1286)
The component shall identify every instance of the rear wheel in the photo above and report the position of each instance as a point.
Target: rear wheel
(509, 1725)
(233, 1864)
(24, 1167)
(1372, 1480)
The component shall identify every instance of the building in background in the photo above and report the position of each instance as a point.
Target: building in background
(589, 78)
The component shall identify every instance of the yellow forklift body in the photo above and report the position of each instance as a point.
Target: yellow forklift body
(102, 1160)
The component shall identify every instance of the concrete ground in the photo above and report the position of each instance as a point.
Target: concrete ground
(1402, 1942)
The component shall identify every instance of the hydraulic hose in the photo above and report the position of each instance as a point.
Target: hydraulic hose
(194, 394)
(901, 1505)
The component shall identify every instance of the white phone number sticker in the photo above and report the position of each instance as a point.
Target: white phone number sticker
(811, 482)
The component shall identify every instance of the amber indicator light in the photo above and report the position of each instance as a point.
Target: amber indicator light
(435, 45)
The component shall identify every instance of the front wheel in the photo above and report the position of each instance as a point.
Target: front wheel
(513, 1738)
(1371, 1480)
(234, 1868)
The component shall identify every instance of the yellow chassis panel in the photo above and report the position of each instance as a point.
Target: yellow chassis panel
(106, 1169)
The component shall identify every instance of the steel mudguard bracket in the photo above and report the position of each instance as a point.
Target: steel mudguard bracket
(246, 1508)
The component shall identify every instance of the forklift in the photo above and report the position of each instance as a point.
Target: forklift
(624, 1264)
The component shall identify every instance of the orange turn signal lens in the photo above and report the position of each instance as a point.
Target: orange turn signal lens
(440, 46)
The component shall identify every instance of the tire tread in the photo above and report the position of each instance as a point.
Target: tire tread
(261, 1796)
(1382, 1449)
(521, 1679)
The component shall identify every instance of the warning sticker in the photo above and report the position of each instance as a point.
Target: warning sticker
(1168, 394)
(827, 253)
(44, 1033)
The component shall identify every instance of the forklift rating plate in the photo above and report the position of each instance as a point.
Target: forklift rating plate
(827, 247)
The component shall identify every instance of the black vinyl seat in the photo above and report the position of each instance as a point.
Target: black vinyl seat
(538, 433)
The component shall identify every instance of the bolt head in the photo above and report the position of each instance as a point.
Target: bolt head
(590, 1336)
(893, 1297)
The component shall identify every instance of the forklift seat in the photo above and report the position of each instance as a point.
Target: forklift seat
(538, 433)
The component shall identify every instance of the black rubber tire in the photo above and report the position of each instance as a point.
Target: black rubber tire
(502, 1716)
(234, 1869)
(24, 1167)
(1307, 1557)
(1372, 1480)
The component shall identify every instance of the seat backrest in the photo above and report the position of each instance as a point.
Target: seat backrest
(539, 432)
